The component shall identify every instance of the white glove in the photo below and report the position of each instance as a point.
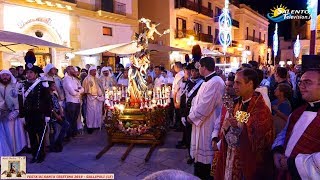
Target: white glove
(184, 121)
(47, 119)
(13, 115)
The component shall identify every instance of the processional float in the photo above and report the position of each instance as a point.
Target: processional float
(137, 112)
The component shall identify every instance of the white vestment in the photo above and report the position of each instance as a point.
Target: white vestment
(14, 127)
(107, 82)
(205, 115)
(4, 144)
(95, 99)
(264, 92)
(308, 165)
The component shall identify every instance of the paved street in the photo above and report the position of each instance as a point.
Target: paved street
(78, 156)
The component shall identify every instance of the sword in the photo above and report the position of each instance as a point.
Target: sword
(44, 132)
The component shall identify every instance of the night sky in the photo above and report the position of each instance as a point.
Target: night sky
(263, 7)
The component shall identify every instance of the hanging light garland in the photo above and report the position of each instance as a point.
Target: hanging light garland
(225, 27)
(275, 43)
(296, 48)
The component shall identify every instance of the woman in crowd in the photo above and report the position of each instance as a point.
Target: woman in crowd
(281, 107)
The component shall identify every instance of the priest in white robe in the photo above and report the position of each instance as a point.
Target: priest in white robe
(13, 126)
(205, 118)
(297, 147)
(95, 99)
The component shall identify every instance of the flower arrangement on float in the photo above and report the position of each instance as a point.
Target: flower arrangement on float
(151, 104)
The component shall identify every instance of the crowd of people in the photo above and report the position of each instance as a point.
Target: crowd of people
(258, 122)
(40, 110)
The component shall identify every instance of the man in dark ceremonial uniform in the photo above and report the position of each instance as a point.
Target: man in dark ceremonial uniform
(35, 106)
(192, 86)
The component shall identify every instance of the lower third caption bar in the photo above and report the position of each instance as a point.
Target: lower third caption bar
(70, 176)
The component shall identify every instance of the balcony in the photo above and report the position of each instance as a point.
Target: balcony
(119, 8)
(113, 7)
(234, 23)
(249, 38)
(254, 39)
(206, 11)
(197, 36)
(194, 7)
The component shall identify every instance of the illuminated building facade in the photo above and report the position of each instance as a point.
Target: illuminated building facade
(196, 22)
(79, 24)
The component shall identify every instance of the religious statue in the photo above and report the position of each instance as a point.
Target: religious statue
(148, 34)
(140, 61)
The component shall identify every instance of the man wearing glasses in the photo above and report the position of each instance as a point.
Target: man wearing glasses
(296, 150)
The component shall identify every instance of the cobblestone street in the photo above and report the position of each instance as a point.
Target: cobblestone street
(78, 156)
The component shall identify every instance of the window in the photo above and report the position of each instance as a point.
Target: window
(107, 31)
(264, 37)
(209, 5)
(216, 34)
(254, 35)
(247, 37)
(218, 11)
(259, 36)
(318, 34)
(181, 26)
(197, 27)
(209, 30)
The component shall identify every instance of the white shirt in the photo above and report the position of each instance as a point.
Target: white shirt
(169, 74)
(72, 89)
(123, 82)
(176, 81)
(158, 81)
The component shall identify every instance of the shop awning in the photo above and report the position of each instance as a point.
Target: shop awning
(13, 42)
(211, 52)
(126, 48)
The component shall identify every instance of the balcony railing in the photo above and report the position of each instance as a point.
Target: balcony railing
(254, 39)
(206, 11)
(234, 23)
(249, 38)
(197, 36)
(119, 8)
(194, 7)
(205, 37)
(71, 1)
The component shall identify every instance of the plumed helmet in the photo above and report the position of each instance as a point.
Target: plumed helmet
(30, 57)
